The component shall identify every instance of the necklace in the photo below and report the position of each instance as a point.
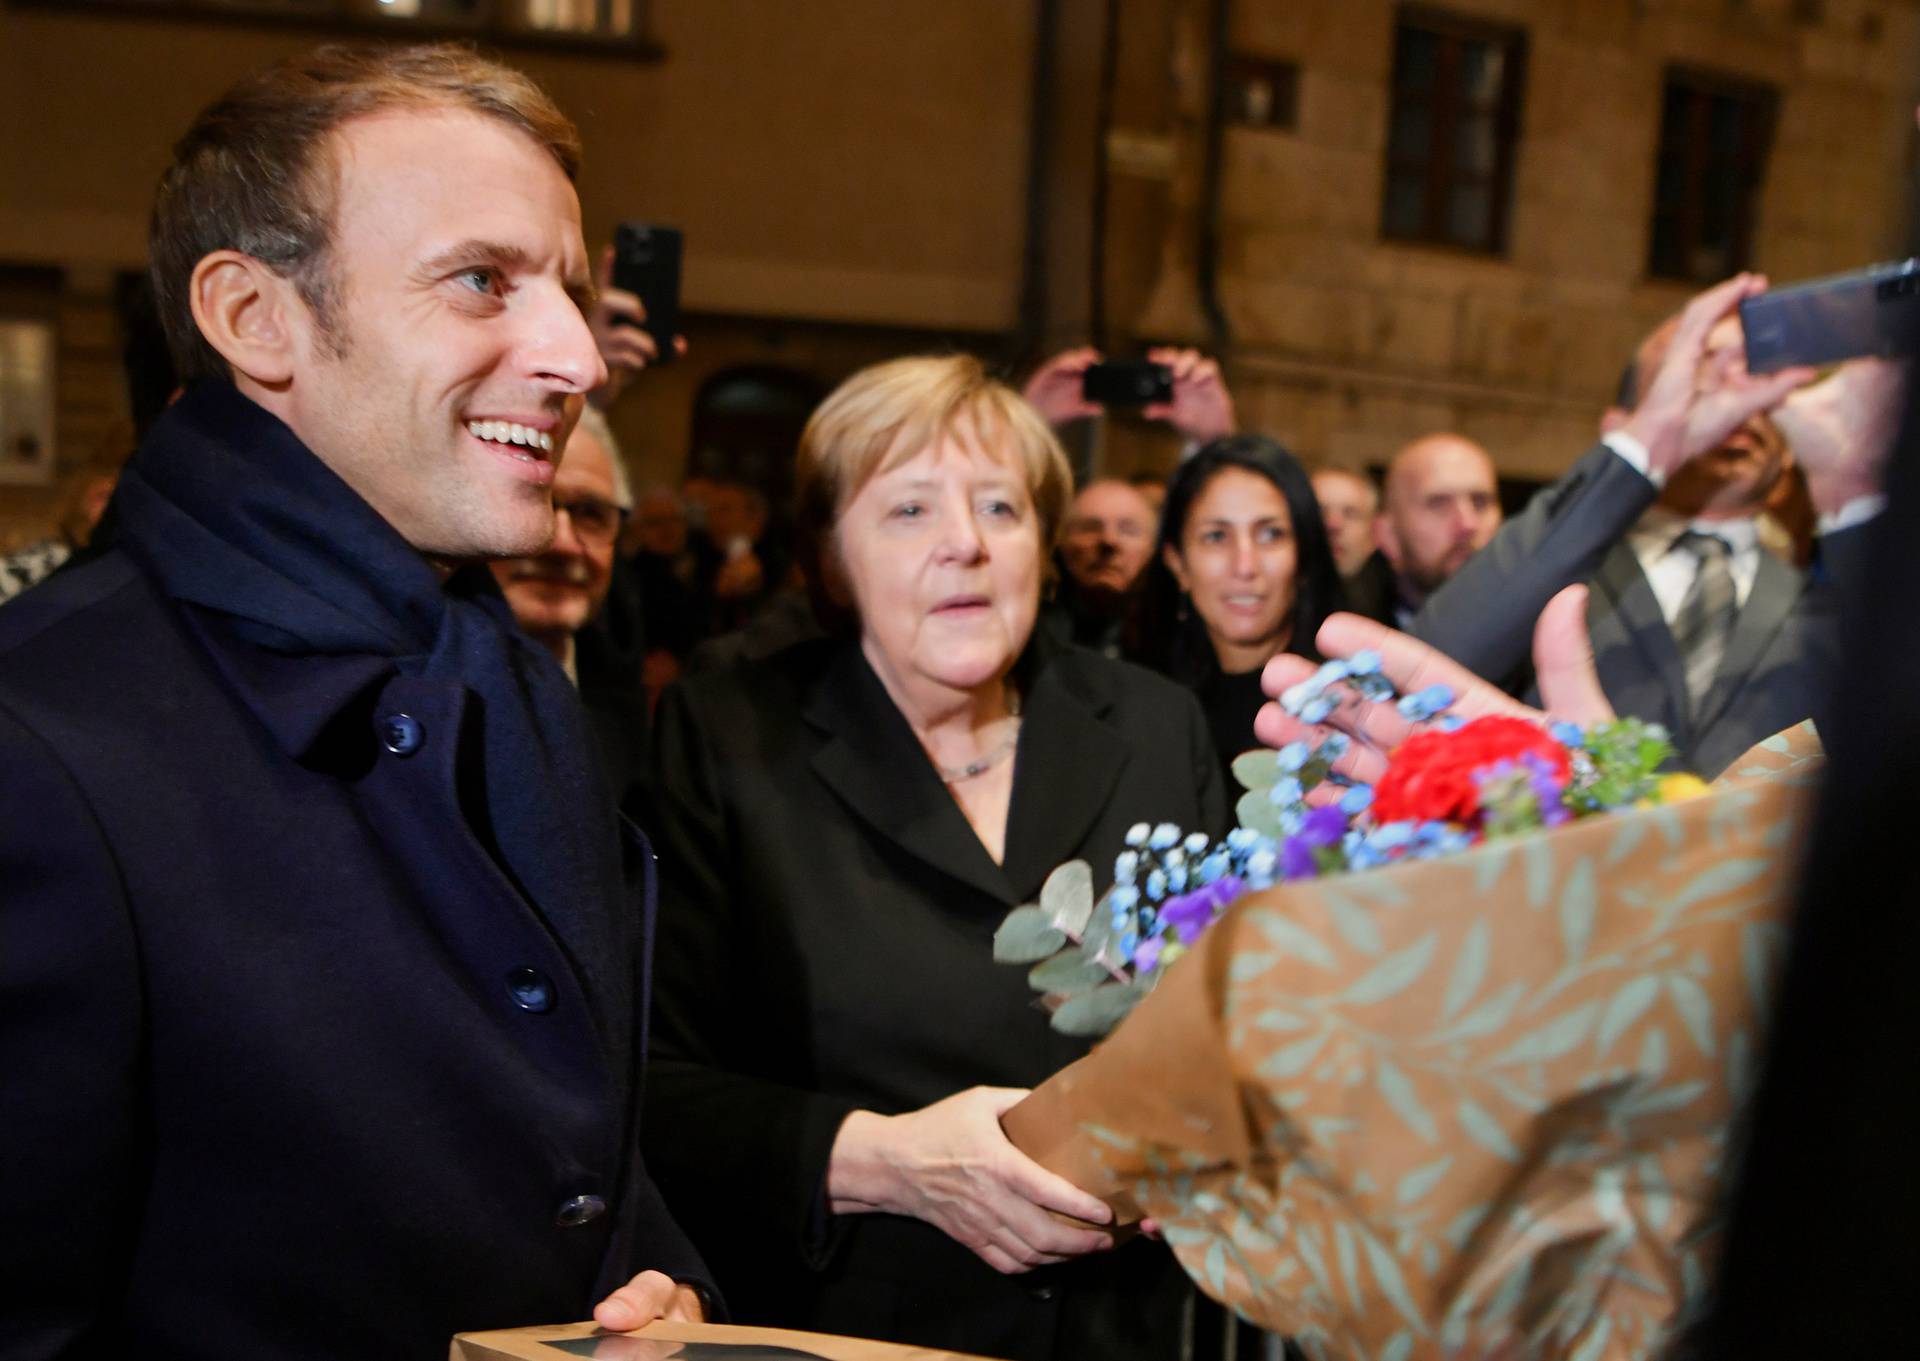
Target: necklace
(980, 765)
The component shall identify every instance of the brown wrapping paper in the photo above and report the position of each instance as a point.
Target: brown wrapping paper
(680, 1342)
(1472, 1107)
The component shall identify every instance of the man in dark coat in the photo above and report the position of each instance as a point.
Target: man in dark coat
(323, 954)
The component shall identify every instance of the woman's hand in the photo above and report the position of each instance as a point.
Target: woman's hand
(1562, 660)
(952, 1165)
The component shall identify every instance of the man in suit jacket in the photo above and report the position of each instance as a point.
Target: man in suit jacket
(323, 956)
(1694, 626)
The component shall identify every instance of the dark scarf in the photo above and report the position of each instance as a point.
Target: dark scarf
(231, 513)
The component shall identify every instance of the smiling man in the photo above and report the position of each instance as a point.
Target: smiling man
(321, 950)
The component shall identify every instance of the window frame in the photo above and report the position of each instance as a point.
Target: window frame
(1436, 168)
(1705, 85)
(340, 17)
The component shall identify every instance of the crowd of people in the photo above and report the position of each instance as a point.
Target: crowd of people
(340, 1046)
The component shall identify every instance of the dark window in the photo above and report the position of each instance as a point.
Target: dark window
(1262, 93)
(1450, 145)
(1714, 136)
(595, 23)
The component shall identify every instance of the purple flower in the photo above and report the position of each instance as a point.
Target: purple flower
(1191, 913)
(1296, 859)
(1147, 958)
(1322, 827)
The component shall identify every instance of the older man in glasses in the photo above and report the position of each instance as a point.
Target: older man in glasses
(555, 594)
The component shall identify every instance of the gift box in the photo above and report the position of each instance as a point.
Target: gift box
(1476, 1106)
(681, 1342)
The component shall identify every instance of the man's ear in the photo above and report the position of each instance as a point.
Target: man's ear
(1171, 557)
(249, 314)
(1386, 541)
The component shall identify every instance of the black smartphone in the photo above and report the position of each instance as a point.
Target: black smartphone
(1130, 382)
(1865, 312)
(646, 263)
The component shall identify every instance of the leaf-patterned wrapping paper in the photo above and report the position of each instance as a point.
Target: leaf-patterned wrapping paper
(1467, 1108)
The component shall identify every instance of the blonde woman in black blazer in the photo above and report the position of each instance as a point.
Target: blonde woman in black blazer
(840, 828)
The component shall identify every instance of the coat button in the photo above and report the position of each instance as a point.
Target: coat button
(530, 990)
(402, 734)
(1044, 1292)
(579, 1210)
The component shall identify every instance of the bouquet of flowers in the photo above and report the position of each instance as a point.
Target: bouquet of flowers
(1452, 786)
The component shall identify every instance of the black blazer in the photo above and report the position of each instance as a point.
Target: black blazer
(825, 945)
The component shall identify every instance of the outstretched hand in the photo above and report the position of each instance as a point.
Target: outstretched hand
(1701, 392)
(1563, 665)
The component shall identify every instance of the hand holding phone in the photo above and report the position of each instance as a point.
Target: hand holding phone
(646, 263)
(1868, 312)
(1130, 382)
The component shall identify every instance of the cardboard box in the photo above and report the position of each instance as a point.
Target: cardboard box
(681, 1342)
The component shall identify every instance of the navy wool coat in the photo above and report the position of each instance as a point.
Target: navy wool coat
(289, 1066)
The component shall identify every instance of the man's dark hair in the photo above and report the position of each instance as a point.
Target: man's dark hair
(254, 174)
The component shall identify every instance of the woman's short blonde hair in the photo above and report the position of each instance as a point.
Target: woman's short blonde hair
(891, 412)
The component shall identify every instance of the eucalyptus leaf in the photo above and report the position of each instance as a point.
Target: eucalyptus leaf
(1098, 1010)
(1069, 971)
(1067, 897)
(1258, 769)
(1027, 936)
(1257, 814)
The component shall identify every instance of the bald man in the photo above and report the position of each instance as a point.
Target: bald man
(1441, 506)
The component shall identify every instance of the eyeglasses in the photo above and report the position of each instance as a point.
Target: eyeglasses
(594, 520)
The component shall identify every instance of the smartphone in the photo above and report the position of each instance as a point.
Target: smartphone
(1872, 311)
(1131, 382)
(646, 263)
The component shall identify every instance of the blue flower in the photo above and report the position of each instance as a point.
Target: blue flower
(1426, 703)
(1157, 885)
(1365, 662)
(1357, 800)
(1242, 839)
(1124, 897)
(1195, 843)
(1137, 834)
(1292, 756)
(1316, 710)
(1334, 746)
(1177, 878)
(1260, 868)
(1163, 836)
(1128, 943)
(1126, 866)
(1287, 792)
(1569, 735)
(1215, 865)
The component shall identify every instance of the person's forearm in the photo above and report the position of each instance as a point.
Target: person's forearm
(858, 1171)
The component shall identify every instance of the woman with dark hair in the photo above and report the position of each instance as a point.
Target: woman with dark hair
(1244, 571)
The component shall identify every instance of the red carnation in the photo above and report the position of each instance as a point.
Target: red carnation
(1430, 776)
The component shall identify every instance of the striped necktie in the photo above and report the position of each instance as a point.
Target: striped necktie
(1705, 621)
